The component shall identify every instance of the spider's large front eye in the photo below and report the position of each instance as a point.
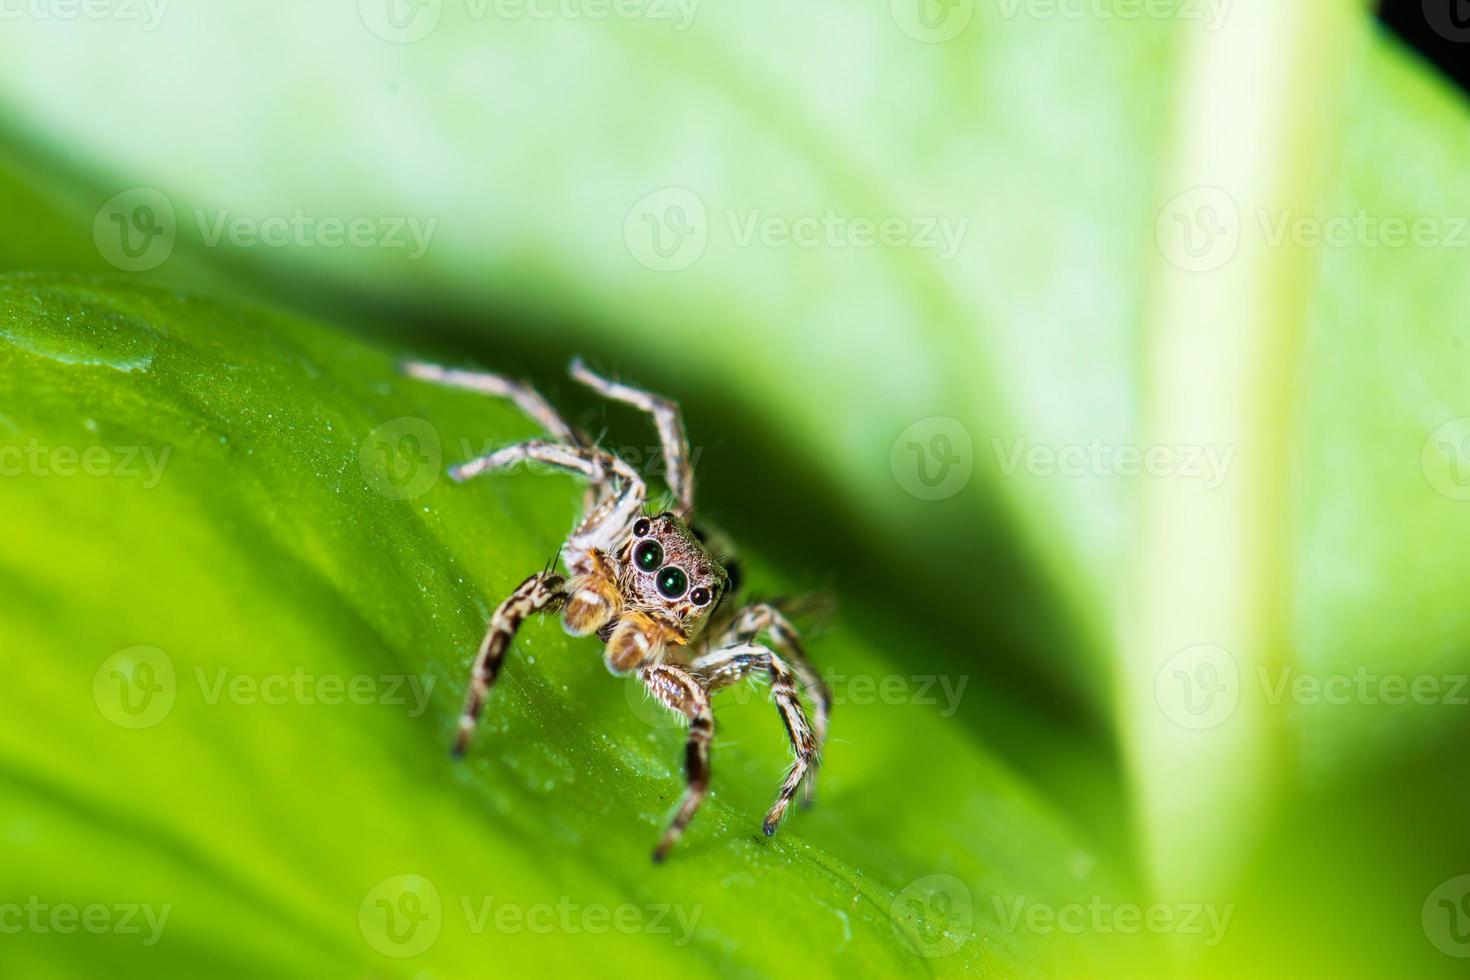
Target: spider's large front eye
(672, 582)
(648, 555)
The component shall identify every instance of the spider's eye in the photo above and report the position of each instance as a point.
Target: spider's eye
(672, 582)
(699, 596)
(648, 555)
(641, 528)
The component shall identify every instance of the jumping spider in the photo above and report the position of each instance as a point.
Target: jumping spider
(648, 587)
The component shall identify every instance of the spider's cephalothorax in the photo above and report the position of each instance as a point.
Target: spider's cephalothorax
(646, 585)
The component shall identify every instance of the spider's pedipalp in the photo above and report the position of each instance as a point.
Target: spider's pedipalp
(667, 419)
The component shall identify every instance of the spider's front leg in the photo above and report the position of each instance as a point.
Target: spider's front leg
(678, 464)
(605, 526)
(726, 666)
(542, 591)
(761, 617)
(681, 692)
(525, 397)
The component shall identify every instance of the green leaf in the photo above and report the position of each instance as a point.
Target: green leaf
(206, 552)
(1061, 142)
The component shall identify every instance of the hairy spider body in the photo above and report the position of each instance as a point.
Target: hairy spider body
(648, 587)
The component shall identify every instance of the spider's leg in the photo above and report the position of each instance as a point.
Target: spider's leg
(541, 591)
(525, 397)
(762, 617)
(726, 666)
(678, 467)
(605, 526)
(680, 692)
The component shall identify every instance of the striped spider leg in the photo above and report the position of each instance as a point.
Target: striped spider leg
(765, 618)
(645, 584)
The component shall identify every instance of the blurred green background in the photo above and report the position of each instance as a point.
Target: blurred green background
(1105, 360)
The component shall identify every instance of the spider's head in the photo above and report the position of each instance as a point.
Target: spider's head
(666, 570)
